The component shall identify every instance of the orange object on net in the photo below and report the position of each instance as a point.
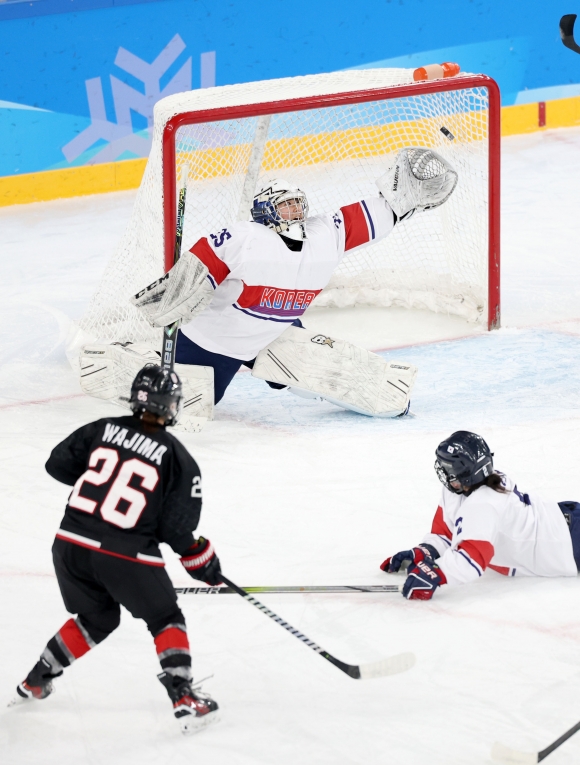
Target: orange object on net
(436, 71)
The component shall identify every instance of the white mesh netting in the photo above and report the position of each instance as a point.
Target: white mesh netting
(436, 260)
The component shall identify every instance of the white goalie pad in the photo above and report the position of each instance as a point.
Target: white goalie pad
(181, 294)
(107, 372)
(418, 179)
(337, 371)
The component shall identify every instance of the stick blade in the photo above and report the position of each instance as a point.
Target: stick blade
(391, 666)
(567, 25)
(567, 32)
(501, 753)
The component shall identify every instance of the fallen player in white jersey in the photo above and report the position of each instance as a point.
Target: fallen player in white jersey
(485, 521)
(238, 292)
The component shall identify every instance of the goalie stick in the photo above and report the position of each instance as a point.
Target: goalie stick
(504, 754)
(170, 332)
(289, 589)
(391, 666)
(567, 32)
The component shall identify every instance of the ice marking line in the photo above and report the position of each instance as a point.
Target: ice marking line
(432, 342)
(561, 632)
(42, 400)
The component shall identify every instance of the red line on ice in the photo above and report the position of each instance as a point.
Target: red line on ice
(41, 400)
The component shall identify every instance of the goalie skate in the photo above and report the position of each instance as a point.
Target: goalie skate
(339, 372)
(107, 372)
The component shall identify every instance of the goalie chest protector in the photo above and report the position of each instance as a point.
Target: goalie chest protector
(261, 286)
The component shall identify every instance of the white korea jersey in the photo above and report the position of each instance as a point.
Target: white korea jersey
(261, 286)
(513, 533)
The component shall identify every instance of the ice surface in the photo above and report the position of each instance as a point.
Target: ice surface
(302, 493)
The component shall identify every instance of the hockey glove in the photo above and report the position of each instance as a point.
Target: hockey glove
(423, 580)
(201, 562)
(407, 557)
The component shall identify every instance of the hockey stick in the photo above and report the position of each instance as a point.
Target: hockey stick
(391, 666)
(170, 332)
(503, 753)
(289, 589)
(567, 32)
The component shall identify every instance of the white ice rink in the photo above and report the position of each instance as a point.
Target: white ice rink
(302, 493)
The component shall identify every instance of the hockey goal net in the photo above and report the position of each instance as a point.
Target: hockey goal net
(332, 135)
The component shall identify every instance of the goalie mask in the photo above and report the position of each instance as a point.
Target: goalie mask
(282, 207)
(158, 391)
(462, 461)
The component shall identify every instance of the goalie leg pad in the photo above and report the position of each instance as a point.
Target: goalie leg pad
(181, 294)
(337, 371)
(108, 371)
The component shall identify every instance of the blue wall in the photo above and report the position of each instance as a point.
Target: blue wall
(79, 87)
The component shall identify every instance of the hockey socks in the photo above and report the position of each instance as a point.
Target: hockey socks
(71, 642)
(172, 648)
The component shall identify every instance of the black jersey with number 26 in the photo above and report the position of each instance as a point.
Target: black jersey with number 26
(134, 485)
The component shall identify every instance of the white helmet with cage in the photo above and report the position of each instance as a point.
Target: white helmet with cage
(281, 206)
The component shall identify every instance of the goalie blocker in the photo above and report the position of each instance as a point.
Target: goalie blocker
(339, 372)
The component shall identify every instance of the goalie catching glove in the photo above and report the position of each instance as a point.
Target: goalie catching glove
(180, 295)
(418, 179)
(201, 562)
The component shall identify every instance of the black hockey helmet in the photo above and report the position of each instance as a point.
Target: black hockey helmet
(463, 459)
(158, 391)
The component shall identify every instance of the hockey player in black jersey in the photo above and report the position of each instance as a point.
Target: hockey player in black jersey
(135, 485)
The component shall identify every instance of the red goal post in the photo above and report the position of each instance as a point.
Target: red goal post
(340, 100)
(332, 135)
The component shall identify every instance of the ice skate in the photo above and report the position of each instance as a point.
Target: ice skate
(37, 685)
(193, 709)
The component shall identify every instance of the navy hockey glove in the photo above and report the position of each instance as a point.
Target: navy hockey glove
(201, 562)
(423, 580)
(408, 557)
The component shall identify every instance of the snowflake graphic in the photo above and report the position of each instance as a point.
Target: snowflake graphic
(119, 135)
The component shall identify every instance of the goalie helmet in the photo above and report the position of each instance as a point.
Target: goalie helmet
(282, 207)
(462, 461)
(158, 391)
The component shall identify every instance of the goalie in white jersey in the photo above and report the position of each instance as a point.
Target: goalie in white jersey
(240, 292)
(485, 521)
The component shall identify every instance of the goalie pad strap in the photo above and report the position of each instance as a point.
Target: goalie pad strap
(340, 372)
(180, 295)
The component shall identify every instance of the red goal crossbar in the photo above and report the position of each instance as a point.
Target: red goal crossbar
(343, 99)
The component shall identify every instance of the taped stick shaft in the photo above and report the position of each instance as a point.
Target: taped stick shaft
(389, 666)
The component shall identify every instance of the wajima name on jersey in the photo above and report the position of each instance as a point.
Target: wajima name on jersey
(137, 442)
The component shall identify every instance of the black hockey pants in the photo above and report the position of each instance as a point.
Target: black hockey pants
(94, 586)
